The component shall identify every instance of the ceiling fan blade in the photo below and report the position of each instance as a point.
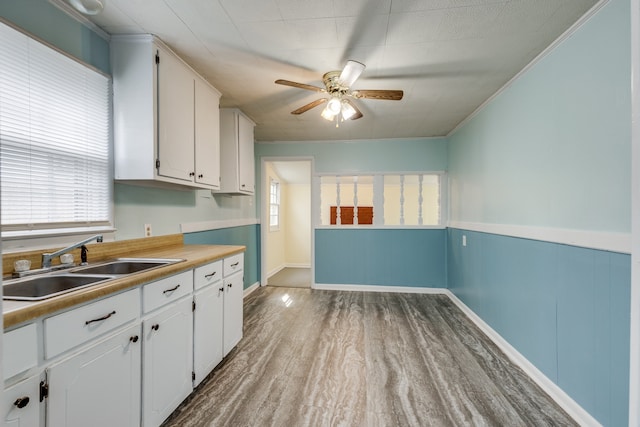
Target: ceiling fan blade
(309, 106)
(299, 85)
(391, 95)
(351, 72)
(358, 113)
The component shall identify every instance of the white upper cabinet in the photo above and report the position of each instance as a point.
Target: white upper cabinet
(166, 117)
(236, 153)
(176, 123)
(207, 134)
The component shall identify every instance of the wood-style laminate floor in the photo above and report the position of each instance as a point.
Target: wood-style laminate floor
(328, 358)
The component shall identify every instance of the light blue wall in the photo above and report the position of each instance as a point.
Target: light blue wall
(248, 236)
(553, 150)
(382, 257)
(401, 155)
(566, 309)
(166, 209)
(42, 19)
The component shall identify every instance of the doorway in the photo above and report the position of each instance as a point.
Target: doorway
(286, 231)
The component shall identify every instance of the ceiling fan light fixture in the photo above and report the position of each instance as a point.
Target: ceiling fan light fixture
(88, 7)
(327, 114)
(334, 106)
(347, 110)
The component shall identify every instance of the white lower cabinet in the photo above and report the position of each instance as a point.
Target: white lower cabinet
(167, 361)
(99, 386)
(129, 359)
(207, 330)
(233, 293)
(21, 404)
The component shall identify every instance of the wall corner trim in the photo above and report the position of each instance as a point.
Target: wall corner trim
(606, 241)
(581, 416)
(193, 227)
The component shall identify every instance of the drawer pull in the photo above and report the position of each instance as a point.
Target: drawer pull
(209, 276)
(155, 327)
(100, 318)
(171, 290)
(134, 338)
(21, 402)
(235, 264)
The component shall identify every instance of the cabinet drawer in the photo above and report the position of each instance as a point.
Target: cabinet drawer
(74, 327)
(157, 294)
(20, 350)
(207, 274)
(232, 264)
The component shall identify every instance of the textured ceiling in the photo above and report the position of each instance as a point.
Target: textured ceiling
(448, 56)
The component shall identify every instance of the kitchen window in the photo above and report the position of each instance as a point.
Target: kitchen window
(54, 140)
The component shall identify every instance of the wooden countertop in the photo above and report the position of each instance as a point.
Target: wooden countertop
(16, 312)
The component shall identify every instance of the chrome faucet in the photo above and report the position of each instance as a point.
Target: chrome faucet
(46, 258)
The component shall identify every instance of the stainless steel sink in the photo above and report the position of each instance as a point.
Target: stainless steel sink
(122, 266)
(37, 288)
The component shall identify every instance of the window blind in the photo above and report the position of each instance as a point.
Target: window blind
(54, 138)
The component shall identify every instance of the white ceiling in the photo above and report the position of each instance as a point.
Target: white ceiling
(293, 172)
(447, 55)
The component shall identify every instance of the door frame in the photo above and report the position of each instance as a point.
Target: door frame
(264, 219)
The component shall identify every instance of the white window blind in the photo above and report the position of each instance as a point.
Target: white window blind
(54, 138)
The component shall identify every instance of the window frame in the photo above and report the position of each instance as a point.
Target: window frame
(274, 184)
(347, 179)
(13, 234)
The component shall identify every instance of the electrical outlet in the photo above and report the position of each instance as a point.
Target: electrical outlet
(464, 240)
(147, 230)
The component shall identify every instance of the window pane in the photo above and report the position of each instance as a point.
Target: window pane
(54, 137)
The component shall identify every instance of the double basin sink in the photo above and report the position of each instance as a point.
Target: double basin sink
(47, 285)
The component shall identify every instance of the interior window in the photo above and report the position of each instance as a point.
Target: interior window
(380, 200)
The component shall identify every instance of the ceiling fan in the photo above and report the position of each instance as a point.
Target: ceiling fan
(338, 87)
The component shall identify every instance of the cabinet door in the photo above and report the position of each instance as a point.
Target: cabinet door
(246, 155)
(175, 118)
(207, 135)
(21, 404)
(99, 386)
(232, 333)
(207, 330)
(167, 361)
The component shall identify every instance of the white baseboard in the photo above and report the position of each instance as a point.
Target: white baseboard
(297, 265)
(275, 270)
(250, 289)
(376, 288)
(581, 416)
